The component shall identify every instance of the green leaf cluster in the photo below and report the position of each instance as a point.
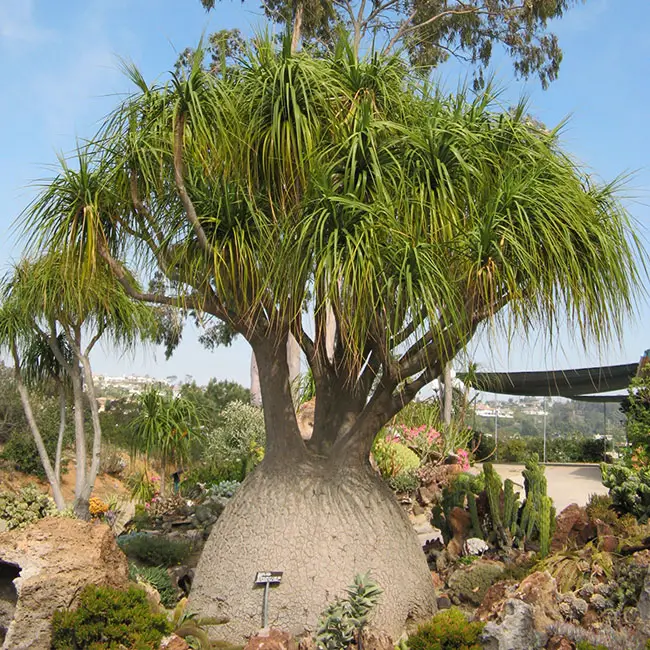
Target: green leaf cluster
(109, 619)
(29, 504)
(629, 489)
(154, 550)
(344, 619)
(158, 577)
(448, 630)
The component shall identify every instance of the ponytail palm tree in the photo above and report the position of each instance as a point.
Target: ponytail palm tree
(292, 186)
(54, 315)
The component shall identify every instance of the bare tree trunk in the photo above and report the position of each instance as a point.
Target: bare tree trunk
(321, 528)
(293, 360)
(80, 503)
(256, 392)
(448, 394)
(97, 428)
(36, 434)
(297, 26)
(59, 440)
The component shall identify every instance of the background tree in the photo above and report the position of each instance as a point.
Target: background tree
(164, 428)
(431, 31)
(48, 302)
(297, 185)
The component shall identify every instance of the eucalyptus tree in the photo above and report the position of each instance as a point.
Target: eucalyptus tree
(48, 302)
(293, 184)
(429, 31)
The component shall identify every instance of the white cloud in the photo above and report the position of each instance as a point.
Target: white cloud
(18, 25)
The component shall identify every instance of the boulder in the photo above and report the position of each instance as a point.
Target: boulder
(515, 632)
(174, 642)
(271, 639)
(538, 590)
(56, 557)
(470, 583)
(572, 526)
(460, 524)
(305, 417)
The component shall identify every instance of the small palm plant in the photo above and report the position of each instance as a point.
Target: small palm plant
(191, 627)
(164, 427)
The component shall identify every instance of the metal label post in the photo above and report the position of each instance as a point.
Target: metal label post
(267, 578)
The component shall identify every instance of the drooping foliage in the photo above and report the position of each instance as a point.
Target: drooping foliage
(295, 184)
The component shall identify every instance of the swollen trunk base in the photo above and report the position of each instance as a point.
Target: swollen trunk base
(320, 527)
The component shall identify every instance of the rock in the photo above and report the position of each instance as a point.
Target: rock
(470, 583)
(572, 526)
(438, 582)
(539, 590)
(444, 602)
(608, 543)
(174, 642)
(515, 632)
(305, 416)
(271, 639)
(424, 496)
(559, 643)
(418, 509)
(492, 604)
(372, 639)
(598, 602)
(153, 596)
(57, 558)
(460, 524)
(475, 546)
(644, 600)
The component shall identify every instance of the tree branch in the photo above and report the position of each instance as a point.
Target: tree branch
(190, 211)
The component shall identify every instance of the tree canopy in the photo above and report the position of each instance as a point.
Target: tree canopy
(430, 31)
(291, 184)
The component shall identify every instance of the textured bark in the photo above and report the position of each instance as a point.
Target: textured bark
(321, 528)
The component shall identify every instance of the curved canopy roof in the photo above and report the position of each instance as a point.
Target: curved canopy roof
(574, 384)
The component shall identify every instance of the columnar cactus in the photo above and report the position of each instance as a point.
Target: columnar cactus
(545, 516)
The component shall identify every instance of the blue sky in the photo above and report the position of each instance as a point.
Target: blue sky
(60, 73)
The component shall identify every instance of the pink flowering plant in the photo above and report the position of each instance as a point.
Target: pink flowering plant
(424, 440)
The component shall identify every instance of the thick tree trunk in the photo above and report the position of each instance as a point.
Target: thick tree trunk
(320, 527)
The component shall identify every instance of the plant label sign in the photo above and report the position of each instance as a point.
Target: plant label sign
(268, 577)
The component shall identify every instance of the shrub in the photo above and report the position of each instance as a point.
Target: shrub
(22, 453)
(154, 550)
(143, 488)
(159, 579)
(224, 489)
(448, 630)
(239, 438)
(629, 489)
(342, 621)
(25, 507)
(110, 619)
(407, 481)
(393, 457)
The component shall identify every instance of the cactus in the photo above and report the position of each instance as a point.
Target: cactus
(545, 515)
(509, 521)
(493, 489)
(473, 513)
(509, 504)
